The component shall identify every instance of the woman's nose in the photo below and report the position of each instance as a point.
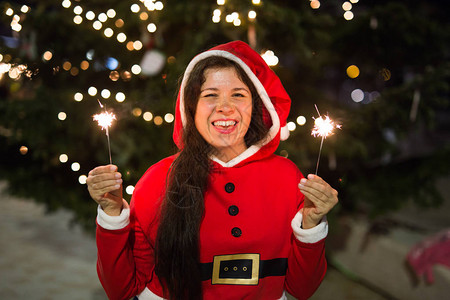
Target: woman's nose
(225, 105)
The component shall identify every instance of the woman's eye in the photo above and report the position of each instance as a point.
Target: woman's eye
(209, 95)
(238, 95)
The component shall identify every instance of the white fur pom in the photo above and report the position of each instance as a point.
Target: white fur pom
(284, 133)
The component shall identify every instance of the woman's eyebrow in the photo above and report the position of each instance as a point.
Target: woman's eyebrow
(210, 89)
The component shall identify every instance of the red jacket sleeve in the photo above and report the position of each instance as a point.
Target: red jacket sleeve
(125, 261)
(306, 268)
(306, 263)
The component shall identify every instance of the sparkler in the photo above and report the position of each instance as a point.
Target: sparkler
(323, 127)
(105, 120)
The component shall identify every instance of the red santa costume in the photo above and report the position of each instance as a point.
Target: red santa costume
(252, 245)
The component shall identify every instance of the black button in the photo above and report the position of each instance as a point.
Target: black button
(236, 232)
(229, 187)
(233, 210)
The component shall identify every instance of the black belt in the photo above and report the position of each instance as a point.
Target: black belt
(242, 269)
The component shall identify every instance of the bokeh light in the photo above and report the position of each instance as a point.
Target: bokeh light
(357, 95)
(352, 71)
(147, 116)
(301, 120)
(63, 158)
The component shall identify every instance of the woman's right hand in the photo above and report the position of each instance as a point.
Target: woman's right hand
(105, 187)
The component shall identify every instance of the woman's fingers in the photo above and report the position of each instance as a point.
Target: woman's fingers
(318, 191)
(103, 169)
(102, 180)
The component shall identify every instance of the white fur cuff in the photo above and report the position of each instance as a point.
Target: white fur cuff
(114, 222)
(312, 235)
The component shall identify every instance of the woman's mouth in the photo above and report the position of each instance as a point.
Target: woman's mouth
(224, 126)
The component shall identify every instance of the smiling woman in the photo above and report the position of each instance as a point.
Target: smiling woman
(224, 112)
(199, 226)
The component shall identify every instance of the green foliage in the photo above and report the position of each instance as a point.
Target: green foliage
(384, 157)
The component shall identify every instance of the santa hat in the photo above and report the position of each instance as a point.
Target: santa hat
(275, 99)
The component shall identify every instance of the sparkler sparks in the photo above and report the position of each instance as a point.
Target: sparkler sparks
(105, 120)
(323, 127)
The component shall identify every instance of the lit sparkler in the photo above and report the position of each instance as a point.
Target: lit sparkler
(323, 127)
(105, 120)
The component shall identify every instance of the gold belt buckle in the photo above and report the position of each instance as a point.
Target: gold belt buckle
(217, 265)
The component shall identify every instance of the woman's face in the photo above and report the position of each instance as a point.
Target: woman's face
(224, 111)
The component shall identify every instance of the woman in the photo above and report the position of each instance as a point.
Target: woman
(224, 218)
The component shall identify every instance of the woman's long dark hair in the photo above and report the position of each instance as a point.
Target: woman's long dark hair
(177, 241)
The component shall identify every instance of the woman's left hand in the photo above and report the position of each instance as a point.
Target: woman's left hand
(320, 198)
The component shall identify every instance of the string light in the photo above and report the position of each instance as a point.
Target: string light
(158, 120)
(151, 27)
(348, 15)
(82, 179)
(63, 158)
(352, 71)
(121, 37)
(78, 10)
(129, 189)
(216, 18)
(114, 75)
(74, 71)
(143, 16)
(147, 116)
(357, 95)
(23, 150)
(105, 93)
(77, 19)
(130, 46)
(119, 23)
(291, 126)
(301, 120)
(24, 9)
(346, 6)
(84, 65)
(270, 58)
(102, 17)
(97, 25)
(9, 12)
(92, 91)
(111, 13)
(126, 76)
(90, 15)
(136, 69)
(62, 116)
(15, 23)
(315, 4)
(47, 55)
(169, 118)
(108, 32)
(78, 97)
(135, 8)
(120, 97)
(75, 167)
(66, 3)
(137, 45)
(159, 5)
(67, 65)
(137, 112)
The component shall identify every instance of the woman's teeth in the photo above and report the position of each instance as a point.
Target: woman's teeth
(224, 123)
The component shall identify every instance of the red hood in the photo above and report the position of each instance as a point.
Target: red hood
(274, 97)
